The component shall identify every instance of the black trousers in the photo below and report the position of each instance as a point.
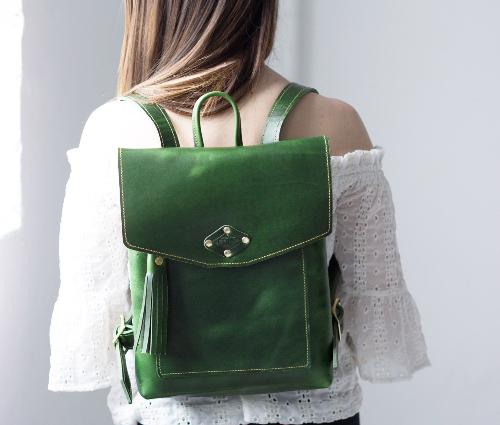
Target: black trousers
(353, 420)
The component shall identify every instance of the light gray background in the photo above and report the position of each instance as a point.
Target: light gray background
(424, 78)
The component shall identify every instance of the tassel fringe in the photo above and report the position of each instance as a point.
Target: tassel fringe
(152, 333)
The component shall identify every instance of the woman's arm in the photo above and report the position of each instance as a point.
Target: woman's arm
(381, 320)
(93, 262)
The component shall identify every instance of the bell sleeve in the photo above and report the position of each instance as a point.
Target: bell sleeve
(93, 287)
(382, 323)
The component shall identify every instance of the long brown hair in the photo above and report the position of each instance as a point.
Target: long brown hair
(174, 51)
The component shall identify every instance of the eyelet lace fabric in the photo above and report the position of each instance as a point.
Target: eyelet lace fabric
(382, 342)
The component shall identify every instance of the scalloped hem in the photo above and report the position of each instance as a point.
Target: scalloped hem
(359, 158)
(399, 378)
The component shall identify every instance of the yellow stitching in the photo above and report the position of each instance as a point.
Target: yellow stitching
(121, 196)
(190, 260)
(156, 125)
(289, 86)
(176, 141)
(329, 182)
(161, 374)
(306, 307)
(278, 128)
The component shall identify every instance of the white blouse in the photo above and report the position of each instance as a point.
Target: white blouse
(383, 337)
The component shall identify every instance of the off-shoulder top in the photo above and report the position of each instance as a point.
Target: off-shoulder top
(383, 337)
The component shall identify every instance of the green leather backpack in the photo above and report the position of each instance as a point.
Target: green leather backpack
(231, 289)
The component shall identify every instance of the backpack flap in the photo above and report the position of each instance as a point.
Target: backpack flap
(226, 206)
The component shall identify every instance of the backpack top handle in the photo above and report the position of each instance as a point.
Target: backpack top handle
(197, 136)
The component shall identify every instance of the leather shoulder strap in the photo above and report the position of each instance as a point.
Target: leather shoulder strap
(283, 104)
(160, 118)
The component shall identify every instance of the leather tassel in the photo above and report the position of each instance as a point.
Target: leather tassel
(152, 335)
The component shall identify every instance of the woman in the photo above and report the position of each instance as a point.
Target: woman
(173, 52)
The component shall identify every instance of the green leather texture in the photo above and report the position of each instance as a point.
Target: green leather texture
(230, 332)
(286, 100)
(151, 331)
(278, 193)
(231, 288)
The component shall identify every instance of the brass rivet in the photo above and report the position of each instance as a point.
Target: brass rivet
(245, 240)
(208, 243)
(227, 230)
(159, 260)
(228, 253)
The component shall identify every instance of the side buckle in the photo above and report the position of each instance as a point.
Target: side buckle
(124, 333)
(338, 315)
(119, 330)
(123, 341)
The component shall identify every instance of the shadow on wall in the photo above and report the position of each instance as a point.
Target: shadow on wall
(70, 58)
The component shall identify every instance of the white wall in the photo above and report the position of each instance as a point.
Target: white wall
(424, 77)
(69, 59)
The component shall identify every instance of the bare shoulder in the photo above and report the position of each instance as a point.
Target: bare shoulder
(335, 118)
(346, 129)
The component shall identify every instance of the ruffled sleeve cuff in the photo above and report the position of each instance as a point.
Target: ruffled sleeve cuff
(384, 332)
(381, 319)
